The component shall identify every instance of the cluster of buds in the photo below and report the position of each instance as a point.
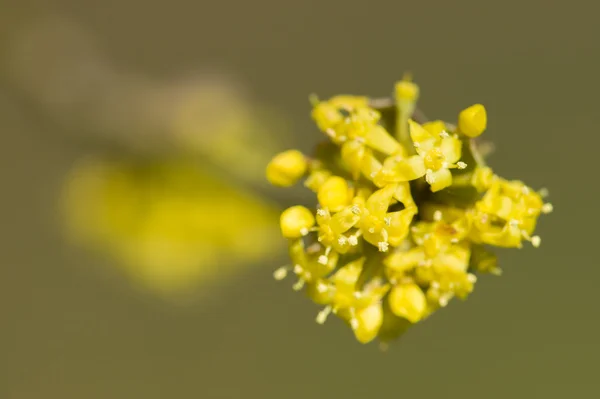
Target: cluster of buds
(406, 212)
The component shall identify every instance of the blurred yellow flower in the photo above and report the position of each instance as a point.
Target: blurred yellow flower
(170, 223)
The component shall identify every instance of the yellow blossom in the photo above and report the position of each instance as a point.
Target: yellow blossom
(436, 155)
(401, 222)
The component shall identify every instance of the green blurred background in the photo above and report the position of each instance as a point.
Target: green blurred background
(70, 329)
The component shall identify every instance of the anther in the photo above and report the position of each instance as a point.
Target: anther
(353, 240)
(322, 316)
(322, 287)
(383, 246)
(298, 285)
(280, 273)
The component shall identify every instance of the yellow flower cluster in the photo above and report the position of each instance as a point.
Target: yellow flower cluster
(170, 224)
(405, 212)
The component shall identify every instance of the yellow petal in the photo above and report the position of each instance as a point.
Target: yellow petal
(400, 262)
(399, 225)
(439, 179)
(369, 322)
(353, 154)
(379, 202)
(451, 148)
(370, 166)
(408, 169)
(408, 301)
(418, 133)
(435, 127)
(379, 139)
(344, 220)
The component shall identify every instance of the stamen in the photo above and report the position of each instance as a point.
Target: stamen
(444, 299)
(298, 269)
(298, 285)
(471, 278)
(383, 246)
(281, 273)
(322, 287)
(342, 240)
(461, 165)
(321, 212)
(444, 134)
(429, 177)
(322, 316)
(437, 215)
(547, 208)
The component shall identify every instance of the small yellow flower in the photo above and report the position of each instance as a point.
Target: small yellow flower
(437, 154)
(286, 168)
(472, 121)
(296, 221)
(381, 227)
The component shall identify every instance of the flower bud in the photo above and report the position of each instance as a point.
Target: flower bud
(407, 91)
(369, 322)
(334, 194)
(408, 301)
(296, 221)
(286, 168)
(472, 121)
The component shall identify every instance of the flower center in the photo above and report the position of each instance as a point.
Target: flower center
(434, 159)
